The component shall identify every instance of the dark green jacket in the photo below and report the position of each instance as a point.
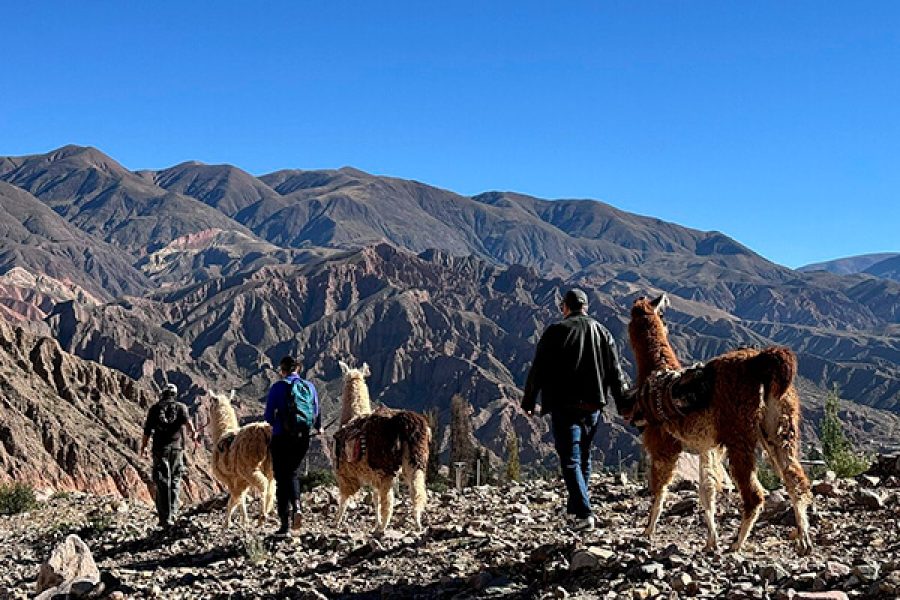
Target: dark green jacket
(576, 367)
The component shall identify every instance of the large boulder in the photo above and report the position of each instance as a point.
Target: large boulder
(69, 570)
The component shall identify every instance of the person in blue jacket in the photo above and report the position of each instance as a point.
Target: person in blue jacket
(289, 443)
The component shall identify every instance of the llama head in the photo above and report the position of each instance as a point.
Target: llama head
(219, 413)
(649, 335)
(349, 373)
(648, 314)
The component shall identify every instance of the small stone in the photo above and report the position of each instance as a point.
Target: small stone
(835, 570)
(651, 570)
(869, 481)
(866, 572)
(685, 507)
(647, 590)
(830, 595)
(681, 582)
(869, 499)
(824, 488)
(590, 558)
(773, 574)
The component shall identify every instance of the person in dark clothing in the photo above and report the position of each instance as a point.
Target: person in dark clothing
(289, 444)
(165, 423)
(576, 369)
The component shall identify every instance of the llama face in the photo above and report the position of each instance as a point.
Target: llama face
(648, 314)
(349, 373)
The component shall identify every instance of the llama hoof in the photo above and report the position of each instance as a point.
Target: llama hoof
(649, 531)
(735, 548)
(711, 546)
(804, 545)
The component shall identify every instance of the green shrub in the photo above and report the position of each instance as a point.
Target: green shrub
(838, 452)
(17, 498)
(438, 485)
(767, 476)
(96, 525)
(254, 548)
(315, 479)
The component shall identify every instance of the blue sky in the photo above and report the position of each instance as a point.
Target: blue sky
(775, 122)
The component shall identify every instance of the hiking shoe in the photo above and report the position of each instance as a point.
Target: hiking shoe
(283, 531)
(586, 524)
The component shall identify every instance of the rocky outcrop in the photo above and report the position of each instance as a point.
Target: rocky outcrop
(70, 424)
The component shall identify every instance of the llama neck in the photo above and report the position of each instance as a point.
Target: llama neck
(355, 400)
(652, 351)
(223, 420)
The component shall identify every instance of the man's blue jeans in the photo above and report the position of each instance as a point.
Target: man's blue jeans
(573, 434)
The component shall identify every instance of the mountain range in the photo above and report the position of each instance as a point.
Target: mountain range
(883, 264)
(205, 275)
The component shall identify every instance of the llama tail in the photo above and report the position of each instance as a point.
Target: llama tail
(415, 437)
(775, 369)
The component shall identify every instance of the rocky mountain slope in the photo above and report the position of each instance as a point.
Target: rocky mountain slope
(101, 197)
(37, 240)
(486, 542)
(429, 326)
(72, 424)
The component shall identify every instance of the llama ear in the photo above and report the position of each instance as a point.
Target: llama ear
(344, 367)
(232, 396)
(366, 371)
(661, 303)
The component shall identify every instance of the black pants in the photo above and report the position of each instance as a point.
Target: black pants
(288, 452)
(168, 468)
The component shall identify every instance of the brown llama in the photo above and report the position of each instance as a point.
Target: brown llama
(240, 457)
(751, 400)
(372, 448)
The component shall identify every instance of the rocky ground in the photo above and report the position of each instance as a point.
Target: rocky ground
(508, 541)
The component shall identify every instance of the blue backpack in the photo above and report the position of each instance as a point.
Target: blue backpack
(300, 408)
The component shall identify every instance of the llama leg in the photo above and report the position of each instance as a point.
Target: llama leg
(270, 495)
(386, 502)
(376, 504)
(664, 451)
(347, 487)
(244, 518)
(797, 485)
(235, 498)
(415, 481)
(710, 464)
(743, 467)
(261, 484)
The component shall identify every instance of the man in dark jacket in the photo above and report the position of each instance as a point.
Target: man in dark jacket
(165, 421)
(289, 444)
(576, 368)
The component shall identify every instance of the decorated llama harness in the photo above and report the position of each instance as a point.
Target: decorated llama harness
(350, 440)
(224, 444)
(669, 394)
